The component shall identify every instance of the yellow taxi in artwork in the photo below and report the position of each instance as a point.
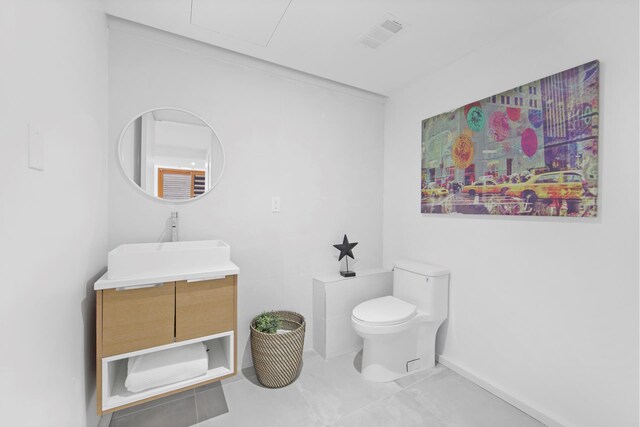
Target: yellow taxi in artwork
(482, 186)
(434, 190)
(564, 185)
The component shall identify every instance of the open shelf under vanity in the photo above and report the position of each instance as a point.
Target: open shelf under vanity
(220, 352)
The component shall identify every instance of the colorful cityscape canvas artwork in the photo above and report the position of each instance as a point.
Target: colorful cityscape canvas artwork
(532, 150)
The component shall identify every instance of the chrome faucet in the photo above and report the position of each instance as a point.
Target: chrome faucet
(174, 226)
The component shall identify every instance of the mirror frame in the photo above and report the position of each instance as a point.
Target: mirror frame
(152, 197)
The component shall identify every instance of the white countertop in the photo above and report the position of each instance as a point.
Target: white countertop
(223, 269)
(336, 277)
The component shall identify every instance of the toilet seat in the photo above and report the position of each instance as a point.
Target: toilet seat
(384, 311)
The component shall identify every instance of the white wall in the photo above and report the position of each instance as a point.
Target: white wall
(315, 144)
(52, 223)
(544, 310)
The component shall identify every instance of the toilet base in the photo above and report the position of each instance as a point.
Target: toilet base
(389, 357)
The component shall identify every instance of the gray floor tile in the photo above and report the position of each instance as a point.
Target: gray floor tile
(151, 404)
(243, 374)
(310, 358)
(207, 387)
(332, 392)
(211, 403)
(460, 403)
(334, 388)
(177, 413)
(250, 404)
(398, 410)
(419, 376)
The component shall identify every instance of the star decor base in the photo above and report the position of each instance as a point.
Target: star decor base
(348, 273)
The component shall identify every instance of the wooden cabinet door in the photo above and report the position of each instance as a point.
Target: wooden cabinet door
(205, 307)
(134, 319)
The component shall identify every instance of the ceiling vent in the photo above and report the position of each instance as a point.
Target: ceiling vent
(381, 32)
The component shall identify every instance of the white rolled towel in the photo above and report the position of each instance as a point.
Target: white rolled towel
(166, 367)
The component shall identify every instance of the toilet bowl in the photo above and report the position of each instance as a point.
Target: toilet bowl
(399, 331)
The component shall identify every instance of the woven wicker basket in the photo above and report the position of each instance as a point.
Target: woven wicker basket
(277, 357)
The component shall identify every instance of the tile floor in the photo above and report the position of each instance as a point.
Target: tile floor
(331, 393)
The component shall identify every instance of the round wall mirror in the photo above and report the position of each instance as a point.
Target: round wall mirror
(171, 154)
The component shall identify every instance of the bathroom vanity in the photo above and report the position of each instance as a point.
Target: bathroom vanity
(161, 296)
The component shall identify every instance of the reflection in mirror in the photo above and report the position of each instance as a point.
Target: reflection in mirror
(171, 154)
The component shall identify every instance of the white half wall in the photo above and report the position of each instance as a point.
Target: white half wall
(315, 144)
(544, 310)
(53, 223)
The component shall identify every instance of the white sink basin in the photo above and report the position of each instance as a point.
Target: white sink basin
(166, 258)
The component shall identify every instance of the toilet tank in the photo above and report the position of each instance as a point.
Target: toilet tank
(424, 285)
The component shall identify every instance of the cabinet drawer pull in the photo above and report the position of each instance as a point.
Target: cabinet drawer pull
(204, 280)
(150, 285)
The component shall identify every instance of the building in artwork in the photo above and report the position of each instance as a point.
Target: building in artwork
(550, 124)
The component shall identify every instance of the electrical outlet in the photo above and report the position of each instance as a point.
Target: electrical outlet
(275, 204)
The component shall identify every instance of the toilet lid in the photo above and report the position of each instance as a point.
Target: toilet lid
(384, 311)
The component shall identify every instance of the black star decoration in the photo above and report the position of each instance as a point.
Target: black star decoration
(345, 248)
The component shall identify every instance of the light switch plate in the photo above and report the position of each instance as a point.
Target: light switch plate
(36, 148)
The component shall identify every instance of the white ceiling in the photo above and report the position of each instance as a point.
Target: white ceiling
(321, 37)
(253, 22)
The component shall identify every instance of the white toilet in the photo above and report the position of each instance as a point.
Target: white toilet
(399, 331)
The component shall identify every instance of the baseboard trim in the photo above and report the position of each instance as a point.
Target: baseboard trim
(105, 420)
(527, 408)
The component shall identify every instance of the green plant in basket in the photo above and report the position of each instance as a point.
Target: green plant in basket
(268, 323)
